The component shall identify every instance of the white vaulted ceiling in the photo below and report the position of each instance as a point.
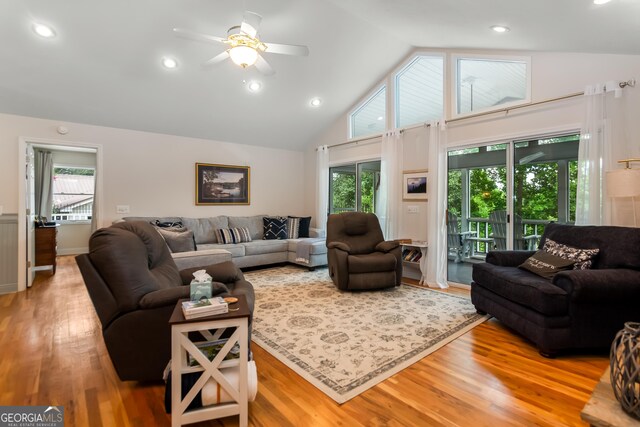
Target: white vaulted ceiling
(104, 66)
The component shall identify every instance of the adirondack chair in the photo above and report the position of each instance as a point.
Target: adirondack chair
(457, 243)
(498, 222)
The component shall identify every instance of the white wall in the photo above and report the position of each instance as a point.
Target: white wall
(553, 75)
(155, 174)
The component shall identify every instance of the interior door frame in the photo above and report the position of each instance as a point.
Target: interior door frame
(24, 269)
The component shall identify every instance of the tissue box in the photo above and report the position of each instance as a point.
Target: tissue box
(200, 290)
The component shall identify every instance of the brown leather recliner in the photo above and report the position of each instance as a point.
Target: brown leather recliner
(134, 285)
(359, 257)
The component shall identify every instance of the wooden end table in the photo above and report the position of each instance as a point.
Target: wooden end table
(210, 328)
(603, 410)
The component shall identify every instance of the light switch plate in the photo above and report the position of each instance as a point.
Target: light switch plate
(413, 209)
(122, 209)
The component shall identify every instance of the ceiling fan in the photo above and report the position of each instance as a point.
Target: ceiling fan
(245, 48)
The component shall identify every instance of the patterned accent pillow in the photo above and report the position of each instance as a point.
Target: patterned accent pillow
(583, 257)
(275, 227)
(303, 228)
(293, 227)
(233, 235)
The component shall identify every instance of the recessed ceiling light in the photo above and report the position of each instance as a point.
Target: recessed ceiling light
(254, 86)
(315, 102)
(380, 118)
(169, 62)
(43, 30)
(500, 28)
(601, 1)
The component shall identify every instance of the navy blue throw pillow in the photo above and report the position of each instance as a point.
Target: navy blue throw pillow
(303, 227)
(275, 228)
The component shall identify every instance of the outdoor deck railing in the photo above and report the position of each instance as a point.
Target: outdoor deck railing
(482, 227)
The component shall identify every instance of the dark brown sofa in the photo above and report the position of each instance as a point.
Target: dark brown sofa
(134, 285)
(577, 308)
(358, 256)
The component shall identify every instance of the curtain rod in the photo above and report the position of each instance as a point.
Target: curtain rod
(629, 83)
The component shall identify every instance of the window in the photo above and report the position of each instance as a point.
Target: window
(73, 189)
(420, 91)
(354, 187)
(486, 84)
(369, 118)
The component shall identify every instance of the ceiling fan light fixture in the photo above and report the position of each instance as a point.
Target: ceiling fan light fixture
(243, 56)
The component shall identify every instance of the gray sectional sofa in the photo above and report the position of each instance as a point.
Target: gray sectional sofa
(247, 254)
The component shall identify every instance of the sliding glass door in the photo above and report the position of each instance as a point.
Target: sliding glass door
(501, 196)
(354, 187)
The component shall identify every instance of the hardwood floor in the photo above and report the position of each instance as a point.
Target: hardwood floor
(53, 354)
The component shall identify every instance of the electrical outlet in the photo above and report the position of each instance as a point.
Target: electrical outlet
(122, 209)
(413, 209)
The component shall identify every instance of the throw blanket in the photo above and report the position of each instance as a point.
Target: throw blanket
(303, 249)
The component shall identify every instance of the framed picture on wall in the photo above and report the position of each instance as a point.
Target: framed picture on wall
(222, 184)
(414, 185)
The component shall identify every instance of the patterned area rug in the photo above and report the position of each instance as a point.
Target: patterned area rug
(346, 342)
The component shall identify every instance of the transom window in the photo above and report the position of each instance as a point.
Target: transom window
(369, 118)
(420, 91)
(483, 84)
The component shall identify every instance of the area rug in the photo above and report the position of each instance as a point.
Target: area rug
(346, 342)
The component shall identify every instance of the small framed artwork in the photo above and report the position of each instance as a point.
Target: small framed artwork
(414, 185)
(222, 184)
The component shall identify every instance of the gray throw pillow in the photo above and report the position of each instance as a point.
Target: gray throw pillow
(546, 265)
(178, 239)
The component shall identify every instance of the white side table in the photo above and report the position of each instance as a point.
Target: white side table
(181, 345)
(423, 258)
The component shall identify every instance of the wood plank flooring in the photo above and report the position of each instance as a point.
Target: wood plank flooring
(53, 354)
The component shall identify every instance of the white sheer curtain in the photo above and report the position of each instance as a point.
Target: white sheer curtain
(388, 203)
(322, 185)
(43, 174)
(437, 208)
(594, 156)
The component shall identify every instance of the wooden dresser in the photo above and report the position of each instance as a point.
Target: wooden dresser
(46, 246)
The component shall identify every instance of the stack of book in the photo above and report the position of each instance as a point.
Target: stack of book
(412, 255)
(204, 308)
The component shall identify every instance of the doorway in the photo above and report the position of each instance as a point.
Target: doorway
(67, 155)
(502, 195)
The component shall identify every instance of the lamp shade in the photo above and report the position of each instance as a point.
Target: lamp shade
(244, 56)
(623, 183)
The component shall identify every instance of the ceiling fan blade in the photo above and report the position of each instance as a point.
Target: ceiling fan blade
(218, 58)
(191, 35)
(250, 23)
(287, 49)
(263, 66)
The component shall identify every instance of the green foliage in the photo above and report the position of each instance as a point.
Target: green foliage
(367, 191)
(343, 191)
(454, 195)
(535, 191)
